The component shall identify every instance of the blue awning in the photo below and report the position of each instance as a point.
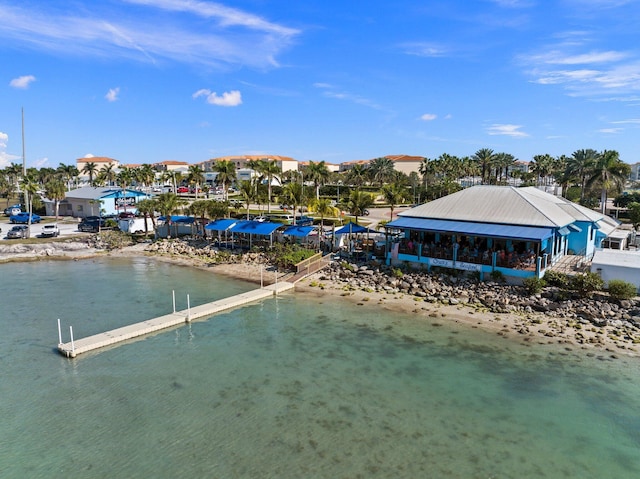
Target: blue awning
(221, 225)
(178, 219)
(299, 230)
(470, 228)
(352, 227)
(264, 228)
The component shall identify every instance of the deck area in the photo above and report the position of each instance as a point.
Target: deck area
(115, 336)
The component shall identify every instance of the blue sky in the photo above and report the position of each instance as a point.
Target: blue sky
(144, 81)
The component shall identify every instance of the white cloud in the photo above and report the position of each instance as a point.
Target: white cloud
(5, 158)
(424, 49)
(429, 117)
(112, 94)
(229, 98)
(22, 82)
(507, 130)
(610, 131)
(227, 37)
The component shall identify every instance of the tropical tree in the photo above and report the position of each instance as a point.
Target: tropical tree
(324, 208)
(293, 193)
(226, 175)
(502, 162)
(124, 178)
(55, 190)
(394, 195)
(90, 168)
(30, 189)
(268, 170)
(579, 165)
(14, 172)
(542, 166)
(195, 177)
(484, 158)
(357, 203)
(68, 174)
(249, 191)
(218, 209)
(381, 170)
(318, 174)
(426, 170)
(147, 208)
(356, 176)
(167, 204)
(609, 173)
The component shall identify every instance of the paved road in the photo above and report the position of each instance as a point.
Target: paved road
(66, 228)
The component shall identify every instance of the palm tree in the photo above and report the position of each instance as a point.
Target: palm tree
(226, 175)
(14, 171)
(318, 173)
(381, 170)
(393, 194)
(268, 170)
(68, 173)
(579, 164)
(484, 157)
(358, 202)
(109, 174)
(217, 209)
(55, 190)
(610, 174)
(324, 208)
(124, 179)
(90, 168)
(195, 177)
(503, 161)
(248, 190)
(199, 208)
(148, 208)
(167, 204)
(356, 176)
(293, 193)
(30, 188)
(542, 166)
(426, 170)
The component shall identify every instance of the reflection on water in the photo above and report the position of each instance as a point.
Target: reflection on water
(290, 387)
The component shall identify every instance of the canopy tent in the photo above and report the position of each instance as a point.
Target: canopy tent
(299, 231)
(352, 227)
(253, 228)
(221, 224)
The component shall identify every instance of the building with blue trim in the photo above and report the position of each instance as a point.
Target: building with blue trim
(96, 201)
(520, 232)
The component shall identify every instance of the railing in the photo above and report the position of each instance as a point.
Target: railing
(306, 264)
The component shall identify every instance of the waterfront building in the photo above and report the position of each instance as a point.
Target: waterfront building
(96, 201)
(519, 232)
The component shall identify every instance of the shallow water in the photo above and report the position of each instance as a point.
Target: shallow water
(290, 387)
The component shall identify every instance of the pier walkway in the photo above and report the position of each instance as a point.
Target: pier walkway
(90, 343)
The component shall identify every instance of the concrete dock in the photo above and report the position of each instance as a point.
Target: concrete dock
(115, 336)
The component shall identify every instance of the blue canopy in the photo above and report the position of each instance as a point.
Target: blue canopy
(299, 230)
(221, 225)
(352, 227)
(255, 227)
(471, 228)
(178, 219)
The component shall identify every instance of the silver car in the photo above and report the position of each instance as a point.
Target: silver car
(19, 231)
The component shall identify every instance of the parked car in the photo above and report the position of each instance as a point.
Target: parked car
(20, 231)
(50, 231)
(304, 220)
(23, 217)
(182, 189)
(91, 224)
(13, 210)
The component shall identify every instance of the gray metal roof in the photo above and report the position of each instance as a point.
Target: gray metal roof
(527, 206)
(612, 257)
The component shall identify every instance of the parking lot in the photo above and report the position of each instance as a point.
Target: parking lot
(66, 227)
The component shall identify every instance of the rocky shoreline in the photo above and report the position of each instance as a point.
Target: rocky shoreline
(552, 316)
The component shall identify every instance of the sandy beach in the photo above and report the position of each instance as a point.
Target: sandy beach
(530, 329)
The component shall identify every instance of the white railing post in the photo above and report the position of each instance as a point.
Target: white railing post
(73, 346)
(173, 294)
(188, 309)
(59, 333)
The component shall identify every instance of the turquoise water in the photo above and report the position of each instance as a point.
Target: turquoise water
(294, 387)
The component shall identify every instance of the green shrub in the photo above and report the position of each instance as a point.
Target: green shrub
(619, 289)
(497, 276)
(586, 283)
(397, 273)
(555, 278)
(533, 284)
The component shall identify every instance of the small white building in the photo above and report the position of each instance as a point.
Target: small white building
(616, 264)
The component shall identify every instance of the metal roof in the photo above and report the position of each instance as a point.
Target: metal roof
(299, 230)
(221, 224)
(613, 257)
(95, 193)
(507, 205)
(264, 228)
(473, 228)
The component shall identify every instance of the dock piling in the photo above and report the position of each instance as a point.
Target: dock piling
(188, 309)
(59, 333)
